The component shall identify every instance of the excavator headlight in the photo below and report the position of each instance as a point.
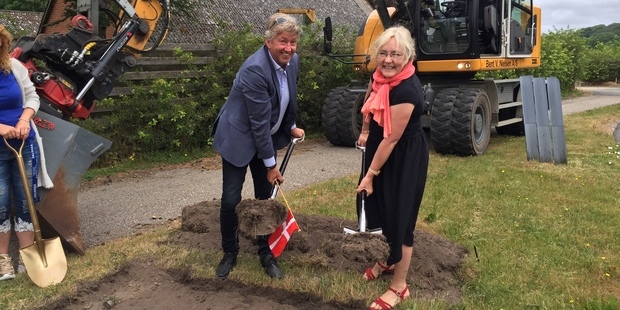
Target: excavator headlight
(464, 65)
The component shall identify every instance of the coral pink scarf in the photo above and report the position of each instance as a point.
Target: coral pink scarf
(378, 103)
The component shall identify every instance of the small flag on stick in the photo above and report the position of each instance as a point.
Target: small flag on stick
(280, 237)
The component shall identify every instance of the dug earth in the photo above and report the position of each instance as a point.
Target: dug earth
(140, 285)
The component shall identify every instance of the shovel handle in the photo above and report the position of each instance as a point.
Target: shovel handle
(362, 215)
(287, 156)
(288, 153)
(33, 212)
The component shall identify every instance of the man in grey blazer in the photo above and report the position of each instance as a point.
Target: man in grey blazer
(257, 120)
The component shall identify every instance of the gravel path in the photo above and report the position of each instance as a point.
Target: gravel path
(122, 207)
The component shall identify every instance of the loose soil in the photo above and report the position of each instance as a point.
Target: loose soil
(139, 285)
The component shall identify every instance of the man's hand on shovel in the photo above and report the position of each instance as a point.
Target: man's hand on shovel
(274, 175)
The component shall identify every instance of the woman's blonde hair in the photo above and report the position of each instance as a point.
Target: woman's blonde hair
(403, 40)
(5, 45)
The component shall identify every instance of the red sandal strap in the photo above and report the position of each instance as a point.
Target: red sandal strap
(382, 304)
(369, 275)
(385, 267)
(400, 294)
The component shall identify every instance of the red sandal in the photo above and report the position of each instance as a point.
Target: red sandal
(385, 306)
(385, 269)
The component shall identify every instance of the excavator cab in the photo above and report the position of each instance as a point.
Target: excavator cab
(469, 29)
(456, 30)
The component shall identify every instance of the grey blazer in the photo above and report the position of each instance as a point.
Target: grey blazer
(242, 128)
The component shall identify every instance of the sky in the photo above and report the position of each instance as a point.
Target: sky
(563, 14)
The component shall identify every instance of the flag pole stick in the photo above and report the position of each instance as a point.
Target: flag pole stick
(285, 201)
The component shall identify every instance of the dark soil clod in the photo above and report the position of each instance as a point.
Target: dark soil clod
(260, 217)
(365, 247)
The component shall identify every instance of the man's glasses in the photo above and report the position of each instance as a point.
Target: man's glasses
(279, 20)
(394, 55)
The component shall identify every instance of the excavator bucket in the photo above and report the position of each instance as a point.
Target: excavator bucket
(69, 151)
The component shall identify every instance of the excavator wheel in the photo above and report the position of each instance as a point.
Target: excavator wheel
(441, 120)
(461, 121)
(340, 117)
(471, 122)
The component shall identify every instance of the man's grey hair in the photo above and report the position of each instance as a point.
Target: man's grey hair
(280, 22)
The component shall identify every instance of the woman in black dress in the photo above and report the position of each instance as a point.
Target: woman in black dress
(394, 140)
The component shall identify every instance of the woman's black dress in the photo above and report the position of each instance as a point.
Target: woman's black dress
(399, 188)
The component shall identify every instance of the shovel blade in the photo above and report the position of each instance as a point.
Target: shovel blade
(41, 274)
(350, 231)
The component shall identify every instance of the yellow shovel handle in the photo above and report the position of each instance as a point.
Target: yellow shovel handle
(33, 212)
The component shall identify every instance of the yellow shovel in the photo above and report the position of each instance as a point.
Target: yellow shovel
(45, 260)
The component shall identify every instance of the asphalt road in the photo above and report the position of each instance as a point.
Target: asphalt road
(122, 207)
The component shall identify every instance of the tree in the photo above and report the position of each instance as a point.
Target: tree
(562, 53)
(602, 63)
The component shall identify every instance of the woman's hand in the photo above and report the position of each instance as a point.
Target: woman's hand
(22, 129)
(8, 132)
(361, 140)
(365, 185)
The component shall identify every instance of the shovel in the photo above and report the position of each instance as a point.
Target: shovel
(45, 260)
(362, 216)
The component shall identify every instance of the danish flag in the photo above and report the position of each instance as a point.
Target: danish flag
(280, 237)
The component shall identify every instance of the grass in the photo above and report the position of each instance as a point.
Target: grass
(546, 235)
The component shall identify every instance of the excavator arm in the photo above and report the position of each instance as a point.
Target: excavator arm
(79, 67)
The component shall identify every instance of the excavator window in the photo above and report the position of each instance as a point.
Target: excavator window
(520, 27)
(445, 27)
(489, 29)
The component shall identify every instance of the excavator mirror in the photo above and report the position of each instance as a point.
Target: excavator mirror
(327, 35)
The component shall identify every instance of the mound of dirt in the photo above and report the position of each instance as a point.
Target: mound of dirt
(434, 266)
(138, 285)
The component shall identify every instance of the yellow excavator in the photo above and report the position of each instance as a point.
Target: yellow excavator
(71, 71)
(454, 40)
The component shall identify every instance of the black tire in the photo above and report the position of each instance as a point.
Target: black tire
(341, 119)
(441, 120)
(471, 123)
